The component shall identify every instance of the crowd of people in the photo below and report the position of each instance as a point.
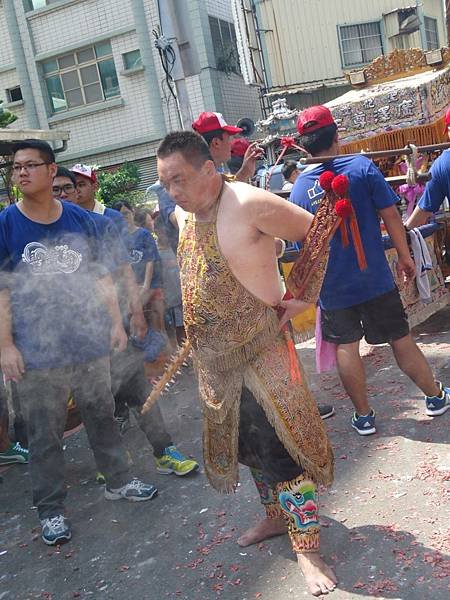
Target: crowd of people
(89, 294)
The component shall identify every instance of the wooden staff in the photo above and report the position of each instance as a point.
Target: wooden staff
(377, 154)
(171, 370)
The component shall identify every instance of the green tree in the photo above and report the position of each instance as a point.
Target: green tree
(118, 184)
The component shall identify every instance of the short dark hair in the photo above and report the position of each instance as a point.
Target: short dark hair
(318, 140)
(122, 203)
(189, 144)
(288, 168)
(44, 149)
(210, 135)
(140, 216)
(63, 172)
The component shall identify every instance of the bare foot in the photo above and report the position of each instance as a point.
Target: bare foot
(262, 531)
(320, 578)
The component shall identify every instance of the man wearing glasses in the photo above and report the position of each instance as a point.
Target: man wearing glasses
(56, 288)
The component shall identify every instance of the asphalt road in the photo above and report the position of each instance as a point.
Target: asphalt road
(385, 520)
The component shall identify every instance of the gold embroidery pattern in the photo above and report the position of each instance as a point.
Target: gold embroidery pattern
(236, 342)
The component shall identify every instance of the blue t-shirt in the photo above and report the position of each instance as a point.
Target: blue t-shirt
(119, 221)
(143, 249)
(51, 272)
(116, 252)
(439, 185)
(345, 284)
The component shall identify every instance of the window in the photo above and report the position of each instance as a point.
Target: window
(224, 42)
(431, 33)
(14, 94)
(360, 43)
(82, 77)
(132, 60)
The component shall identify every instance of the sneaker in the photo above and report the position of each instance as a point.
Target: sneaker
(134, 491)
(438, 405)
(56, 530)
(14, 454)
(326, 411)
(173, 461)
(100, 478)
(364, 425)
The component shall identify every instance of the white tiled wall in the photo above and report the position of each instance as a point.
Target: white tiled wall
(239, 100)
(6, 53)
(195, 95)
(220, 9)
(80, 22)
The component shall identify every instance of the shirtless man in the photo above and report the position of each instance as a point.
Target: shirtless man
(230, 287)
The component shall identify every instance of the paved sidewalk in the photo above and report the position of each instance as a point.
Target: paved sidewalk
(385, 519)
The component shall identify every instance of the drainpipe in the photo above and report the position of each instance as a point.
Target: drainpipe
(21, 66)
(156, 114)
(169, 28)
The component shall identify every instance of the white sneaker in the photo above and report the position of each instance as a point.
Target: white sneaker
(134, 491)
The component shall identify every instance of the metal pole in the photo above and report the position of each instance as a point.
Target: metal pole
(378, 154)
(156, 120)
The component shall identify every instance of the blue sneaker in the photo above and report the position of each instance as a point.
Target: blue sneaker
(56, 530)
(438, 405)
(364, 425)
(134, 491)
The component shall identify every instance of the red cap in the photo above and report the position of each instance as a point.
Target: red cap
(85, 171)
(210, 121)
(447, 120)
(314, 118)
(239, 146)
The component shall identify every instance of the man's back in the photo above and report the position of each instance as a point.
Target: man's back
(345, 284)
(439, 186)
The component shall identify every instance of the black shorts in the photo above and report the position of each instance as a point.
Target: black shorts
(380, 320)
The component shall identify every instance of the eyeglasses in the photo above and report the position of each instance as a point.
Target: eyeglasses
(29, 167)
(66, 188)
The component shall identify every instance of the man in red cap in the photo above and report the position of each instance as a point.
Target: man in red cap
(358, 300)
(437, 188)
(239, 147)
(217, 134)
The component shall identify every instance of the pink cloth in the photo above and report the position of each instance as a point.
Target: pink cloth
(404, 167)
(325, 351)
(410, 193)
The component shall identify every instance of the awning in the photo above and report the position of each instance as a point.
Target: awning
(310, 86)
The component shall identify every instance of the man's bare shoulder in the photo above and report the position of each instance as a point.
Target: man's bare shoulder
(250, 194)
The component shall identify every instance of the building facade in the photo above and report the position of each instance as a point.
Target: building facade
(92, 67)
(301, 49)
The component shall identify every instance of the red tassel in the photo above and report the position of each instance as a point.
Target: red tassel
(359, 248)
(294, 369)
(344, 233)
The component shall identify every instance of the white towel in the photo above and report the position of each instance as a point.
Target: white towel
(423, 262)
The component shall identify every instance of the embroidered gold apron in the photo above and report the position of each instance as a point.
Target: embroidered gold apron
(236, 343)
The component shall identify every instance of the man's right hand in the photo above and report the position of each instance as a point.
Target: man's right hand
(11, 362)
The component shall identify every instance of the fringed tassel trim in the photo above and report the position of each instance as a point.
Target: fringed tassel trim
(320, 473)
